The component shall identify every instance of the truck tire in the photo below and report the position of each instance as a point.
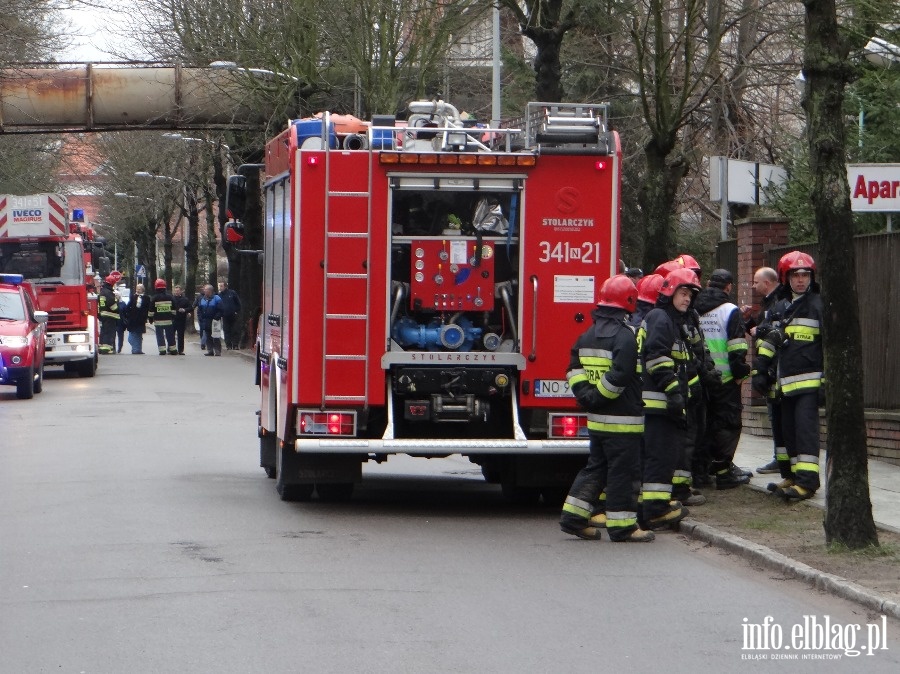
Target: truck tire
(39, 381)
(87, 368)
(268, 454)
(25, 385)
(295, 492)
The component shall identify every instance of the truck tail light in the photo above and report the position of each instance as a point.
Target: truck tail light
(316, 422)
(568, 425)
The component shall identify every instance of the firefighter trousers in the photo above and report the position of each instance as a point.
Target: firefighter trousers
(165, 340)
(108, 334)
(800, 424)
(781, 456)
(684, 458)
(664, 440)
(613, 466)
(723, 424)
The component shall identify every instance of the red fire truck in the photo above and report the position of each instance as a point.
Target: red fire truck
(423, 286)
(58, 260)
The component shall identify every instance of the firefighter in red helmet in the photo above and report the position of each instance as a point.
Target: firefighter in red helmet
(604, 377)
(648, 292)
(162, 315)
(108, 310)
(665, 355)
(795, 339)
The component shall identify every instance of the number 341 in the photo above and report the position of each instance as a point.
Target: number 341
(587, 252)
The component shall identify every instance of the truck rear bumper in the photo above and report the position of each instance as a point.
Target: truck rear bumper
(68, 353)
(438, 447)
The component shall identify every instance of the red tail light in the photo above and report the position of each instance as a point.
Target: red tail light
(316, 422)
(568, 426)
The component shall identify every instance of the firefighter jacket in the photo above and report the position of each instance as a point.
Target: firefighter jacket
(701, 369)
(725, 333)
(106, 302)
(603, 374)
(666, 356)
(162, 310)
(643, 308)
(796, 340)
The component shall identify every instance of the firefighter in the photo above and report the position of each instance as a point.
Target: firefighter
(666, 355)
(604, 378)
(648, 293)
(162, 314)
(796, 339)
(109, 315)
(725, 334)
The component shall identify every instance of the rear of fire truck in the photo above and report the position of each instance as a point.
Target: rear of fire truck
(38, 242)
(423, 286)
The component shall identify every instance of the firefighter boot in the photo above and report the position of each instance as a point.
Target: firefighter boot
(638, 536)
(729, 479)
(795, 492)
(598, 520)
(587, 533)
(668, 519)
(776, 487)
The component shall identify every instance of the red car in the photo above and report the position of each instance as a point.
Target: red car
(22, 338)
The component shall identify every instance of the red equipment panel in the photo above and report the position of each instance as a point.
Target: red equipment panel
(452, 274)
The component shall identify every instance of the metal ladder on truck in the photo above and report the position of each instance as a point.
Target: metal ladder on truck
(352, 287)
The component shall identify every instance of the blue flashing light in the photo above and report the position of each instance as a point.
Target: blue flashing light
(78, 214)
(14, 279)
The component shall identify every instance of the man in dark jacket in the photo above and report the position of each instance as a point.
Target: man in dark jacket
(765, 283)
(183, 309)
(231, 311)
(604, 378)
(725, 333)
(136, 320)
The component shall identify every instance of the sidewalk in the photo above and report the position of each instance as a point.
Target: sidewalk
(884, 480)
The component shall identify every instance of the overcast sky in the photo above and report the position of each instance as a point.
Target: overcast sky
(91, 32)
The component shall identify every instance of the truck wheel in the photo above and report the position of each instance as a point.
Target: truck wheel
(335, 491)
(39, 383)
(87, 368)
(25, 385)
(295, 492)
(271, 473)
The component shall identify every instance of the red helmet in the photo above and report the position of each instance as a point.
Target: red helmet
(688, 262)
(160, 284)
(792, 262)
(618, 291)
(677, 279)
(648, 288)
(667, 268)
(111, 280)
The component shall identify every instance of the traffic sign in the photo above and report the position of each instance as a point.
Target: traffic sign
(141, 271)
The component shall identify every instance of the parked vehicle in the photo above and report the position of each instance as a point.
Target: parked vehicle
(22, 338)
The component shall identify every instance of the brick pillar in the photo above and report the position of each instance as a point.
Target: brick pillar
(755, 236)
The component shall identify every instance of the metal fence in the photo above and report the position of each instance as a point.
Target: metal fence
(878, 288)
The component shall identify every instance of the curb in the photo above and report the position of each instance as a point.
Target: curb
(825, 582)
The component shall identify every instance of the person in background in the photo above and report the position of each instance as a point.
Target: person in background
(183, 310)
(120, 324)
(136, 321)
(162, 313)
(231, 311)
(765, 283)
(209, 309)
(606, 382)
(726, 336)
(109, 315)
(796, 341)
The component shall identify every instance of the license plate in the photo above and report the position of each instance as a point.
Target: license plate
(52, 340)
(551, 388)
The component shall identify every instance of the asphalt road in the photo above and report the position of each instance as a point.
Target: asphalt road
(138, 534)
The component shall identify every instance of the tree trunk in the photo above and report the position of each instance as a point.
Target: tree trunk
(192, 250)
(547, 69)
(848, 511)
(657, 200)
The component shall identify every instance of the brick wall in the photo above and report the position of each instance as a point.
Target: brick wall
(882, 431)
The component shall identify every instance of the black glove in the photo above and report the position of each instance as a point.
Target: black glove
(675, 408)
(589, 398)
(776, 337)
(761, 383)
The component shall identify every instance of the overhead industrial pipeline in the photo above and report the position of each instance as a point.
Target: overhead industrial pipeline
(91, 97)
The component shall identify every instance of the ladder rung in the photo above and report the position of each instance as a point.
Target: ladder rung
(348, 194)
(334, 399)
(344, 356)
(347, 235)
(352, 317)
(342, 275)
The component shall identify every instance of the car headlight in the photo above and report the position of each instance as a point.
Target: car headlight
(9, 340)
